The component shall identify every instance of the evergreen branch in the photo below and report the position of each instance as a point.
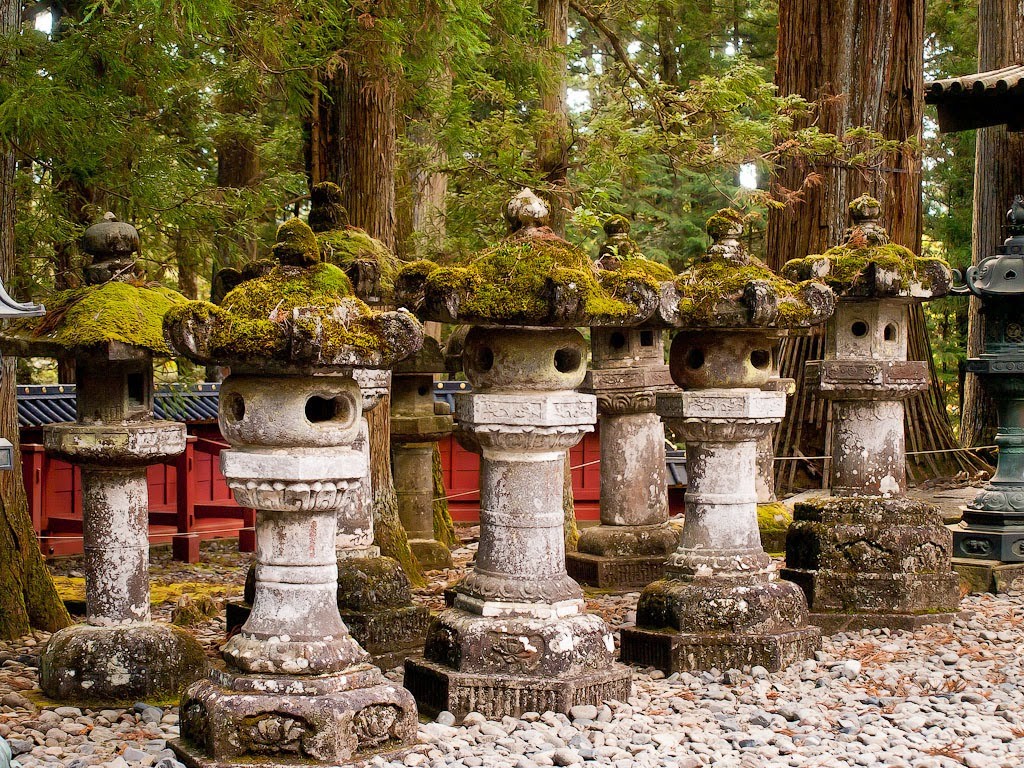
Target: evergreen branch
(598, 23)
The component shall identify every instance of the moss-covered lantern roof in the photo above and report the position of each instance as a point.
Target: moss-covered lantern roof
(729, 288)
(868, 266)
(369, 264)
(531, 278)
(298, 316)
(115, 315)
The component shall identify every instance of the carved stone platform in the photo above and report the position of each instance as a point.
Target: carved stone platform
(867, 562)
(266, 720)
(987, 575)
(622, 556)
(438, 687)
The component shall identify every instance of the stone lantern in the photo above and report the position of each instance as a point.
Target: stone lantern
(374, 593)
(517, 637)
(415, 428)
(294, 686)
(629, 548)
(111, 329)
(988, 543)
(720, 603)
(867, 556)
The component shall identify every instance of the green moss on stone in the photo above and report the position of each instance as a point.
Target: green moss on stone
(249, 323)
(123, 312)
(296, 244)
(346, 246)
(708, 284)
(723, 222)
(511, 283)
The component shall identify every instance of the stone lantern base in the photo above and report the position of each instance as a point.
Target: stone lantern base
(124, 663)
(375, 602)
(869, 562)
(622, 556)
(508, 665)
(686, 625)
(259, 720)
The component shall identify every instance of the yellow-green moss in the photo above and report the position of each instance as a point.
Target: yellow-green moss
(707, 284)
(723, 222)
(343, 247)
(510, 282)
(249, 322)
(86, 317)
(773, 520)
(284, 288)
(846, 264)
(645, 268)
(296, 244)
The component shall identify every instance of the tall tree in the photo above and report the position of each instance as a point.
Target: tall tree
(27, 596)
(862, 61)
(998, 176)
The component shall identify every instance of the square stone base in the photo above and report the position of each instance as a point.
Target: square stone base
(672, 651)
(191, 757)
(831, 623)
(437, 687)
(622, 573)
(987, 575)
(388, 635)
(292, 721)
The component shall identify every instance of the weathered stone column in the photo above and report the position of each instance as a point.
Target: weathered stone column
(989, 541)
(720, 603)
(111, 329)
(295, 685)
(517, 637)
(415, 427)
(867, 556)
(629, 548)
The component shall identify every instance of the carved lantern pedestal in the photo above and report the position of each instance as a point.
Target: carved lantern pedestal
(720, 603)
(119, 654)
(629, 548)
(988, 543)
(294, 686)
(415, 428)
(517, 637)
(867, 556)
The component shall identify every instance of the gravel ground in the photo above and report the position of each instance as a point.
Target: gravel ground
(939, 698)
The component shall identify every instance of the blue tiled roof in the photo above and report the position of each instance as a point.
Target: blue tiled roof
(41, 404)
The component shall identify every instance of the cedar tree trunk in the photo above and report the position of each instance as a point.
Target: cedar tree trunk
(27, 595)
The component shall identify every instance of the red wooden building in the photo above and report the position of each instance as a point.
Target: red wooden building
(189, 498)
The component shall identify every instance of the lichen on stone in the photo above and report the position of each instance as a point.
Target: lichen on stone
(124, 312)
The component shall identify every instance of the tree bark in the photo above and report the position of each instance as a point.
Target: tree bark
(862, 61)
(444, 526)
(388, 532)
(352, 142)
(554, 139)
(238, 167)
(28, 598)
(998, 176)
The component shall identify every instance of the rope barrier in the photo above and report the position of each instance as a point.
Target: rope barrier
(908, 453)
(574, 466)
